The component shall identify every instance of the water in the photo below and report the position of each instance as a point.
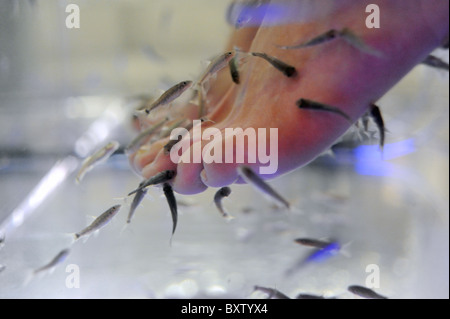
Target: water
(64, 91)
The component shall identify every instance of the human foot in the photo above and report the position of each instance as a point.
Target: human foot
(333, 73)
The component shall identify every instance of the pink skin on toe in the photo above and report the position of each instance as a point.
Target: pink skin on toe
(333, 73)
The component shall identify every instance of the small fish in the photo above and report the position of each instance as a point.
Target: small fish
(311, 105)
(216, 65)
(316, 243)
(365, 292)
(273, 293)
(322, 38)
(59, 258)
(99, 222)
(169, 95)
(332, 34)
(221, 193)
(375, 114)
(323, 254)
(137, 141)
(171, 200)
(317, 256)
(234, 71)
(281, 66)
(2, 267)
(142, 99)
(435, 62)
(253, 179)
(159, 178)
(140, 194)
(98, 157)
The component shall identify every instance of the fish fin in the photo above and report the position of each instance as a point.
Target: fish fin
(80, 176)
(328, 152)
(157, 92)
(71, 236)
(225, 215)
(194, 101)
(28, 278)
(345, 250)
(84, 237)
(126, 228)
(263, 187)
(140, 113)
(205, 63)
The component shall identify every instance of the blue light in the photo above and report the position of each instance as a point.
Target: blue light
(370, 160)
(324, 253)
(249, 15)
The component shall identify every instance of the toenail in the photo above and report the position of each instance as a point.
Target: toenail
(144, 149)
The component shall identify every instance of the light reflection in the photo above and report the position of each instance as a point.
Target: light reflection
(253, 13)
(92, 138)
(370, 160)
(46, 186)
(216, 290)
(249, 15)
(99, 130)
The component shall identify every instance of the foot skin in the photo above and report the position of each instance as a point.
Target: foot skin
(333, 73)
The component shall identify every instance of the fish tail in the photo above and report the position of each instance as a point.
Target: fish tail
(126, 228)
(229, 217)
(252, 178)
(28, 278)
(71, 237)
(79, 177)
(356, 42)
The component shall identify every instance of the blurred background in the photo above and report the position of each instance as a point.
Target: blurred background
(64, 92)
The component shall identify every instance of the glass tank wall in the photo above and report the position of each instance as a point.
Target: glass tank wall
(64, 92)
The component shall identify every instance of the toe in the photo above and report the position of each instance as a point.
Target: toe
(189, 167)
(160, 163)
